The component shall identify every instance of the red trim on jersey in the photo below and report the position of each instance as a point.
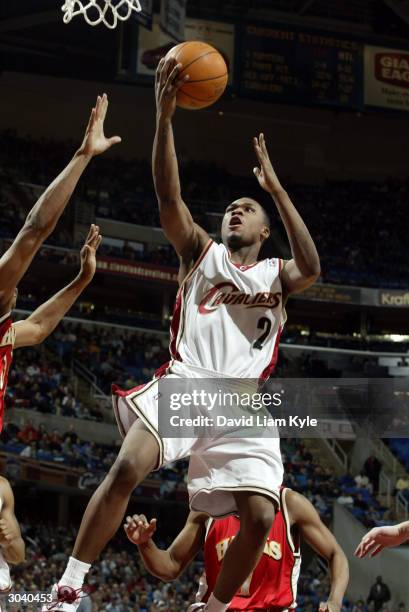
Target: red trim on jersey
(6, 357)
(174, 326)
(244, 267)
(177, 310)
(266, 373)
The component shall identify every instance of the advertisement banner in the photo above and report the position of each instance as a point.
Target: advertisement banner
(337, 294)
(393, 298)
(153, 45)
(135, 269)
(386, 78)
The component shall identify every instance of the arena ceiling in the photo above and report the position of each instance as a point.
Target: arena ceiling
(33, 37)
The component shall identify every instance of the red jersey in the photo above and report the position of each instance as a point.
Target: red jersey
(7, 338)
(273, 583)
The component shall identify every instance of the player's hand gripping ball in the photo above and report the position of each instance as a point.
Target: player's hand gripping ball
(207, 70)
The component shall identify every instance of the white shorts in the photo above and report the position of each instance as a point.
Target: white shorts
(218, 466)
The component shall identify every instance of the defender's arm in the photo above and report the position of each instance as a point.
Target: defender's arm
(318, 536)
(167, 564)
(45, 214)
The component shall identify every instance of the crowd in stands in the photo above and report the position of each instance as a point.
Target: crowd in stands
(37, 380)
(367, 248)
(65, 448)
(118, 581)
(127, 358)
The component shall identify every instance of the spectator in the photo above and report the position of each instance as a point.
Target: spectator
(379, 594)
(372, 468)
(362, 481)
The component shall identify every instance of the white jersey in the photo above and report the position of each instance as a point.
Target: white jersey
(228, 317)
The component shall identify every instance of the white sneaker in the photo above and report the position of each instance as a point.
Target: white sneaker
(64, 598)
(5, 579)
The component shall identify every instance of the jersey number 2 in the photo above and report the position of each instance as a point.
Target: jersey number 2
(265, 324)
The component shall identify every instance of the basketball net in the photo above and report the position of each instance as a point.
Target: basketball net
(108, 12)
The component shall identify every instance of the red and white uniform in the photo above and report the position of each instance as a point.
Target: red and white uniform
(7, 339)
(228, 318)
(273, 583)
(226, 324)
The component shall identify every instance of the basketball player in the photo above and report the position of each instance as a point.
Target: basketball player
(382, 537)
(273, 583)
(227, 321)
(39, 224)
(12, 547)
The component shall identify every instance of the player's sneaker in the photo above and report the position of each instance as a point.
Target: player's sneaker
(64, 598)
(5, 579)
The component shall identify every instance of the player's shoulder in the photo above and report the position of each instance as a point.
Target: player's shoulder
(299, 508)
(5, 486)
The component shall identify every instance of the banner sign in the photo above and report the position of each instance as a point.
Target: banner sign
(386, 81)
(332, 293)
(287, 65)
(135, 269)
(396, 299)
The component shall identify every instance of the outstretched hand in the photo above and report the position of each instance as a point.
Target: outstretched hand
(95, 142)
(379, 538)
(138, 530)
(167, 84)
(265, 174)
(88, 253)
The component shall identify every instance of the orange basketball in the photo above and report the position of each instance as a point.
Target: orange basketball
(207, 71)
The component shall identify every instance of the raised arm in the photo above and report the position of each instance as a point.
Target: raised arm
(167, 564)
(11, 542)
(45, 214)
(304, 268)
(315, 533)
(42, 322)
(186, 236)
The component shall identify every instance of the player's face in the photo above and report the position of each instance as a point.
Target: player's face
(244, 224)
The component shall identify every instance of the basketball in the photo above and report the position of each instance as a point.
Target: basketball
(207, 70)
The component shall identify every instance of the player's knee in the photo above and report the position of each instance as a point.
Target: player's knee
(124, 475)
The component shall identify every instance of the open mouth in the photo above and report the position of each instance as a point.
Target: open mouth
(235, 221)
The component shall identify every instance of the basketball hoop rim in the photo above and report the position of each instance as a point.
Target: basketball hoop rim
(108, 11)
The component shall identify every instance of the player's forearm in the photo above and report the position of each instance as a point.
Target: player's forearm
(303, 249)
(165, 164)
(158, 562)
(49, 314)
(15, 551)
(45, 214)
(339, 570)
(404, 529)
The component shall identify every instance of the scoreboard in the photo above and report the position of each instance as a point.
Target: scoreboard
(288, 65)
